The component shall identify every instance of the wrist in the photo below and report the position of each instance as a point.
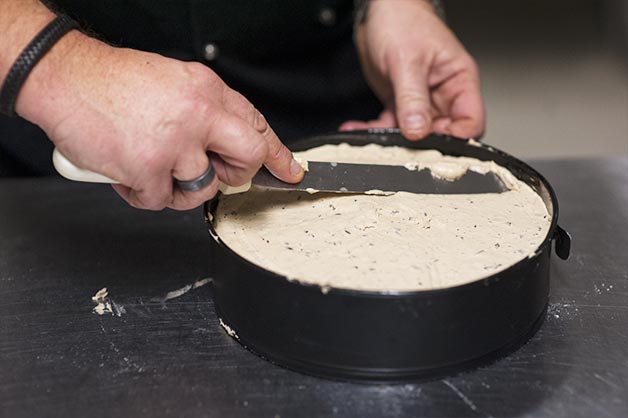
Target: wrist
(362, 7)
(48, 94)
(19, 27)
(28, 59)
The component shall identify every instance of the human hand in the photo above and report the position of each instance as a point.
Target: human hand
(142, 119)
(419, 70)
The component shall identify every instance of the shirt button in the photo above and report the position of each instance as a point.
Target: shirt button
(327, 16)
(210, 52)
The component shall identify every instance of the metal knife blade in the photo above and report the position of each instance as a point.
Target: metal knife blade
(365, 178)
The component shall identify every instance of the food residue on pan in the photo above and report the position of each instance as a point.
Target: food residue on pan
(228, 329)
(377, 192)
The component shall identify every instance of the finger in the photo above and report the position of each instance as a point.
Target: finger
(386, 119)
(441, 124)
(412, 98)
(467, 114)
(371, 124)
(191, 162)
(241, 149)
(353, 125)
(279, 159)
(459, 98)
(465, 128)
(122, 190)
(190, 165)
(155, 194)
(158, 192)
(185, 200)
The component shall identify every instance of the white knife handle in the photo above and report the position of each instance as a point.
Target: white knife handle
(226, 189)
(70, 171)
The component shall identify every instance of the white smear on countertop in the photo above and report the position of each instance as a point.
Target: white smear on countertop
(461, 395)
(106, 305)
(183, 290)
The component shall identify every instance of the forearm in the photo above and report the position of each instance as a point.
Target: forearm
(48, 85)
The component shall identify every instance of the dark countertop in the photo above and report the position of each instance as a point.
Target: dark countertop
(60, 242)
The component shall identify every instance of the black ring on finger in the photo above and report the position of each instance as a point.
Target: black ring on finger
(198, 183)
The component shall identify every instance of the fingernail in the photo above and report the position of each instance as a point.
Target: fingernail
(295, 167)
(415, 124)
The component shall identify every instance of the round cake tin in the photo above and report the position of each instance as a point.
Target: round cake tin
(380, 336)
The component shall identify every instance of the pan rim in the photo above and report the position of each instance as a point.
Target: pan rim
(211, 205)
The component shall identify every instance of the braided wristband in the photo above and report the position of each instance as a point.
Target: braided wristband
(29, 57)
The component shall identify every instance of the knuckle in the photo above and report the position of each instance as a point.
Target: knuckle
(276, 152)
(201, 73)
(155, 203)
(144, 201)
(152, 159)
(234, 177)
(467, 68)
(406, 58)
(469, 63)
(218, 123)
(257, 153)
(195, 104)
(239, 100)
(199, 92)
(254, 150)
(412, 100)
(133, 203)
(195, 68)
(397, 56)
(412, 96)
(259, 123)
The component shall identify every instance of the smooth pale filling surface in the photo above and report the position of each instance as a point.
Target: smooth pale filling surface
(397, 242)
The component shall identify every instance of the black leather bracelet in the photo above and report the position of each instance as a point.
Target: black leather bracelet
(29, 57)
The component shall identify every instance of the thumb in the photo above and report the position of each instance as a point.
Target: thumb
(412, 99)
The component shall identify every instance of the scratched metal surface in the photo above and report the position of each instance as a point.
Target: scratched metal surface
(61, 242)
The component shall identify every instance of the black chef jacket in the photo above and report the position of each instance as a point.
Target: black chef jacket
(293, 59)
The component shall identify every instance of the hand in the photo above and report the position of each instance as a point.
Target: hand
(142, 119)
(419, 70)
